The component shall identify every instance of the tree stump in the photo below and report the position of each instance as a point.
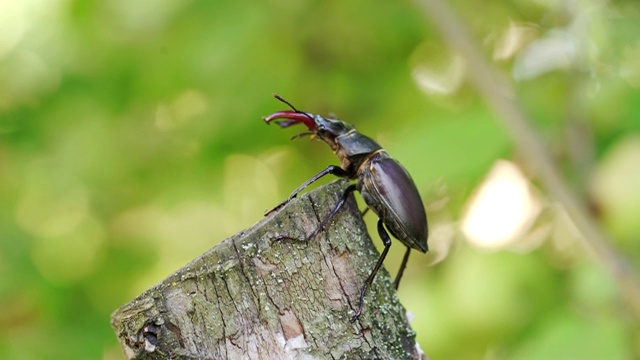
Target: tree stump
(265, 293)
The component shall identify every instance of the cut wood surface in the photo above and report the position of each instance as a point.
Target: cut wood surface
(265, 293)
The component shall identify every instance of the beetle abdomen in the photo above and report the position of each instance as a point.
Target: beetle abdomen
(390, 192)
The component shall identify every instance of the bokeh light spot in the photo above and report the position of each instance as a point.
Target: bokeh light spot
(502, 208)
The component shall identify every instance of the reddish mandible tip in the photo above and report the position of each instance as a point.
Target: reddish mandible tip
(291, 117)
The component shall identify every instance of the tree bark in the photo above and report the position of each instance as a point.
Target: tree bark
(265, 293)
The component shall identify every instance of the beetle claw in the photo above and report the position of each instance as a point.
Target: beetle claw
(291, 117)
(286, 123)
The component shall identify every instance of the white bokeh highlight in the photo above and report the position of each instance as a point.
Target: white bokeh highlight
(501, 210)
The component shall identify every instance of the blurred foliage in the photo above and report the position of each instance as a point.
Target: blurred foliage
(131, 141)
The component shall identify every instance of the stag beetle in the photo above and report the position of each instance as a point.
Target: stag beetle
(385, 185)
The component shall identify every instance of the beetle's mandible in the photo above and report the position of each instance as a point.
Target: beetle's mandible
(385, 185)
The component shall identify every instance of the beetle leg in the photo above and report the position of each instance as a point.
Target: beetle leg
(331, 169)
(343, 199)
(364, 212)
(386, 240)
(403, 265)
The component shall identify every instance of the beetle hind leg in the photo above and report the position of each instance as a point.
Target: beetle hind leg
(386, 240)
(364, 212)
(403, 265)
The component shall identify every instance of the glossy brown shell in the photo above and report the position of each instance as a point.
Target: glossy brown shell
(389, 191)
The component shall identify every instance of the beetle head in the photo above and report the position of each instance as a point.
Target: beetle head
(319, 126)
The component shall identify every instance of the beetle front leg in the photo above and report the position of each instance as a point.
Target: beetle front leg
(343, 199)
(386, 240)
(331, 169)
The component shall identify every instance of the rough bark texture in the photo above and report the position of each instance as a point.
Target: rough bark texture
(265, 293)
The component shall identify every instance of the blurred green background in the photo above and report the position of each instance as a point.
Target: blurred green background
(131, 141)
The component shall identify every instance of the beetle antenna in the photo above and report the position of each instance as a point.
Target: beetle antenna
(281, 99)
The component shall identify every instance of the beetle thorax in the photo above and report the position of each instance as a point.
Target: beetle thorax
(346, 162)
